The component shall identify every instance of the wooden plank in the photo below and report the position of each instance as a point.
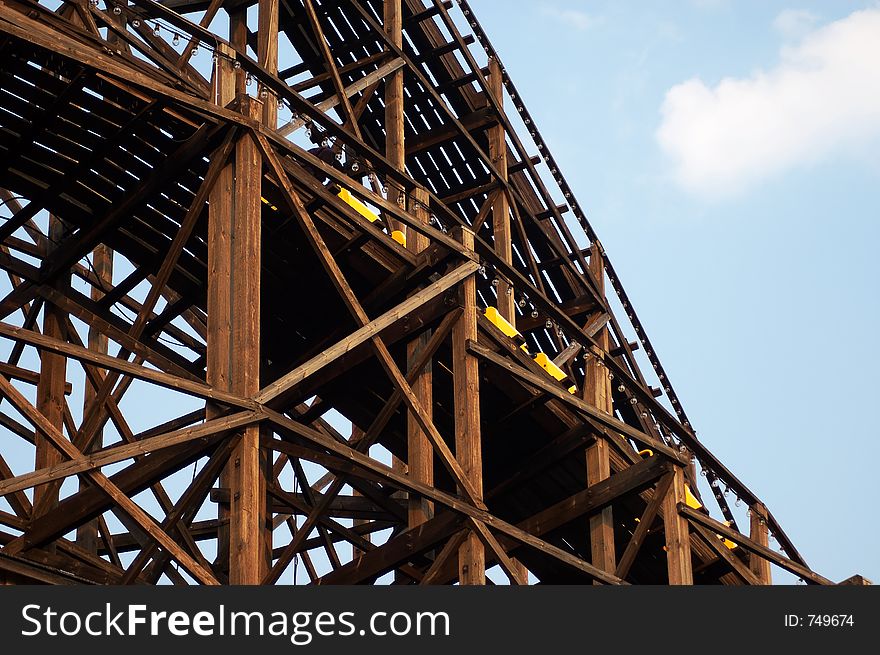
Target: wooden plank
(500, 207)
(395, 147)
(466, 395)
(219, 301)
(50, 388)
(597, 392)
(678, 545)
(267, 55)
(102, 262)
(760, 534)
(250, 546)
(420, 455)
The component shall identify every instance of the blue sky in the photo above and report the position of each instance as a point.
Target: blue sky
(726, 153)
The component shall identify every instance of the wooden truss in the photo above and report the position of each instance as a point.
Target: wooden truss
(172, 238)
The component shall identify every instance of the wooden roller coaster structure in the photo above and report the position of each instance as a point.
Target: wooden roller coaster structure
(398, 350)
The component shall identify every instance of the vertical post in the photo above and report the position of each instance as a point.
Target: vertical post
(219, 263)
(597, 392)
(501, 208)
(267, 54)
(50, 388)
(760, 533)
(420, 455)
(395, 149)
(466, 397)
(356, 435)
(249, 546)
(678, 545)
(238, 32)
(102, 263)
(501, 219)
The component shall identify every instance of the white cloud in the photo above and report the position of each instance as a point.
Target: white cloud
(821, 99)
(580, 20)
(795, 23)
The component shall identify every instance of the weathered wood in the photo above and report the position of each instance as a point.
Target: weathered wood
(249, 536)
(468, 444)
(102, 262)
(267, 55)
(50, 388)
(678, 549)
(760, 534)
(597, 392)
(420, 455)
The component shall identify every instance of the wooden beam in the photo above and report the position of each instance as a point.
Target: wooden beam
(500, 207)
(102, 263)
(466, 394)
(50, 388)
(420, 455)
(267, 55)
(249, 537)
(760, 534)
(597, 392)
(678, 545)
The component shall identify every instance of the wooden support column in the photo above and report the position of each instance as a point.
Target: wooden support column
(501, 208)
(249, 533)
(597, 392)
(356, 435)
(267, 54)
(233, 358)
(102, 263)
(50, 388)
(501, 223)
(219, 302)
(238, 32)
(678, 545)
(468, 444)
(760, 534)
(395, 147)
(420, 454)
